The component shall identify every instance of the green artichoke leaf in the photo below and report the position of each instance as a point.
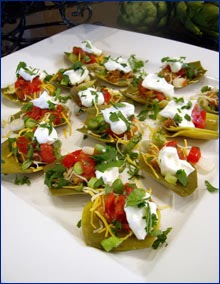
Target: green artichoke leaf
(208, 133)
(94, 239)
(9, 93)
(132, 93)
(10, 165)
(177, 188)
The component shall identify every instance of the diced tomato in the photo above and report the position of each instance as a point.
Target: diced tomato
(22, 144)
(194, 155)
(107, 96)
(198, 117)
(128, 188)
(171, 143)
(24, 87)
(46, 153)
(114, 207)
(70, 159)
(85, 57)
(88, 163)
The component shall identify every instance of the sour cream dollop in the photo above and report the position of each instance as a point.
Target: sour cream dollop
(118, 126)
(77, 76)
(90, 96)
(153, 82)
(87, 46)
(170, 162)
(43, 136)
(135, 217)
(119, 63)
(42, 100)
(183, 109)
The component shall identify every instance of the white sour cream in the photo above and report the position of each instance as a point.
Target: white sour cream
(88, 47)
(77, 76)
(119, 126)
(90, 96)
(42, 135)
(118, 64)
(27, 76)
(153, 82)
(108, 176)
(42, 100)
(135, 219)
(173, 108)
(170, 162)
(175, 65)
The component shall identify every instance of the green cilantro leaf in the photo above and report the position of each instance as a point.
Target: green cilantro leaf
(182, 177)
(210, 187)
(161, 237)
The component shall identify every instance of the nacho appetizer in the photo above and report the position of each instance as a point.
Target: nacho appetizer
(97, 97)
(83, 171)
(87, 53)
(121, 219)
(42, 109)
(179, 73)
(30, 150)
(172, 165)
(118, 71)
(183, 117)
(208, 99)
(30, 83)
(111, 124)
(148, 89)
(72, 76)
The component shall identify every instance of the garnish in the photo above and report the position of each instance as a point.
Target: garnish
(22, 180)
(161, 237)
(182, 177)
(210, 187)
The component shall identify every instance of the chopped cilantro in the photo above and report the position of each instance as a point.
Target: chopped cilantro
(22, 180)
(161, 237)
(182, 177)
(210, 187)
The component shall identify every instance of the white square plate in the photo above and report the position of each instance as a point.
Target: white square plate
(40, 239)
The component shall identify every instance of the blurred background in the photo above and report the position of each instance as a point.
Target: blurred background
(193, 22)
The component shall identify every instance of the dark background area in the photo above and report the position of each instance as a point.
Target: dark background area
(26, 22)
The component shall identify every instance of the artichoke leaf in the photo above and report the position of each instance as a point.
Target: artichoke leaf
(208, 133)
(9, 93)
(195, 133)
(94, 239)
(132, 93)
(10, 165)
(177, 188)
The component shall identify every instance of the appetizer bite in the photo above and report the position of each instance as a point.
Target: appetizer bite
(148, 89)
(124, 217)
(208, 99)
(30, 83)
(83, 171)
(90, 97)
(42, 109)
(87, 53)
(180, 73)
(111, 124)
(72, 76)
(118, 71)
(172, 165)
(30, 150)
(183, 117)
